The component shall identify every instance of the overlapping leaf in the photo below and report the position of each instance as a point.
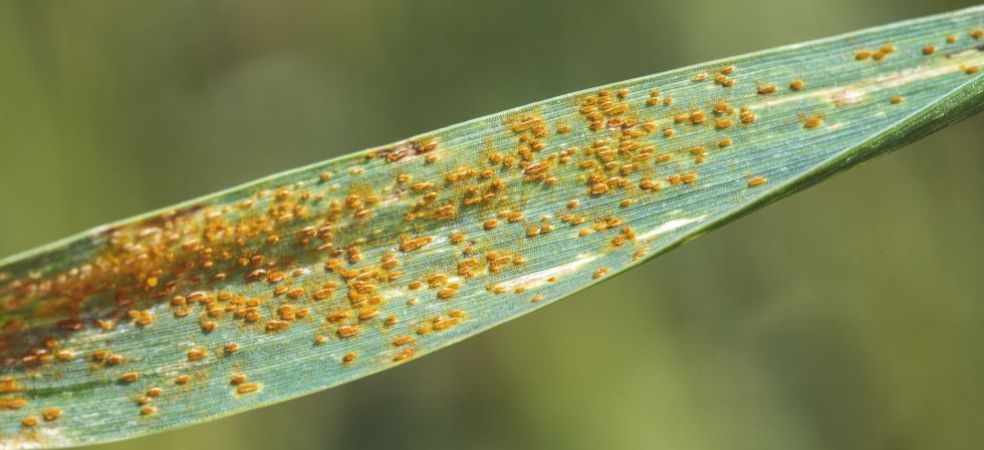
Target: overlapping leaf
(321, 275)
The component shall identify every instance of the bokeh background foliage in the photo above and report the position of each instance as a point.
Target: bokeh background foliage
(847, 317)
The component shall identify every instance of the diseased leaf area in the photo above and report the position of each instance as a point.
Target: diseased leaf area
(325, 274)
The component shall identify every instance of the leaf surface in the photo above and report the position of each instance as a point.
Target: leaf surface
(318, 276)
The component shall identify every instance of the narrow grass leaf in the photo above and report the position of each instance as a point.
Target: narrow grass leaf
(318, 276)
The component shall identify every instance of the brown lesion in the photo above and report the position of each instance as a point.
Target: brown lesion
(405, 149)
(130, 270)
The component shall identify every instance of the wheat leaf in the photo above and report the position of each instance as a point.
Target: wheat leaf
(318, 276)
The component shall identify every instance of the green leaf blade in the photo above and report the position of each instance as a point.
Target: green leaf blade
(84, 314)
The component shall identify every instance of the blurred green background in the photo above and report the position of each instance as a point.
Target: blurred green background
(849, 316)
